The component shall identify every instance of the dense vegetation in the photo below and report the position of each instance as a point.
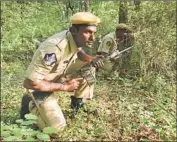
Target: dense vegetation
(137, 106)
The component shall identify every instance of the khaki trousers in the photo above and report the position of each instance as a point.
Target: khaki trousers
(49, 112)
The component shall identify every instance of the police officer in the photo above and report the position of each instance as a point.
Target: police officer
(55, 59)
(121, 39)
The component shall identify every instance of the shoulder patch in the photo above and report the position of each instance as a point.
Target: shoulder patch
(50, 59)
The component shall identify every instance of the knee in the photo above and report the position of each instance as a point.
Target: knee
(60, 123)
(56, 123)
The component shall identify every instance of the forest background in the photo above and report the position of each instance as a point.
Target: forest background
(139, 105)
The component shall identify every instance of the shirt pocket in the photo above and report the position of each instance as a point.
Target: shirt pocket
(62, 66)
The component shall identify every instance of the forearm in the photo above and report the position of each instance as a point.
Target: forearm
(44, 86)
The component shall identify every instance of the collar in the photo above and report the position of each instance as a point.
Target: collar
(71, 43)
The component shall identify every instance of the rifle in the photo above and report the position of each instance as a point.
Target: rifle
(85, 72)
(115, 54)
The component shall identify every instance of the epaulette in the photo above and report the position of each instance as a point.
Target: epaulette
(62, 41)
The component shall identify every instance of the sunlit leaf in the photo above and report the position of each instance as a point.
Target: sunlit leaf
(31, 117)
(42, 136)
(49, 130)
(5, 133)
(19, 121)
(12, 138)
(14, 125)
(29, 139)
(27, 132)
(29, 122)
(17, 132)
(6, 127)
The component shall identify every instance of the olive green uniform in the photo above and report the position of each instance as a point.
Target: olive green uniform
(54, 60)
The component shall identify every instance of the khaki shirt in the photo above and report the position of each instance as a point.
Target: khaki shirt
(108, 43)
(53, 58)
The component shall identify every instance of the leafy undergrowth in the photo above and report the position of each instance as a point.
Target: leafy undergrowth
(25, 130)
(123, 108)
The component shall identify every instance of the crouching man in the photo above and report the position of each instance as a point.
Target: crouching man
(55, 59)
(121, 39)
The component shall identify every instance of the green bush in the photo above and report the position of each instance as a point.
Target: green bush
(129, 107)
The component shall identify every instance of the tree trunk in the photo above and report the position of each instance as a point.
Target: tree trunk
(87, 5)
(123, 12)
(137, 4)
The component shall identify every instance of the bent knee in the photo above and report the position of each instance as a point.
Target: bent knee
(55, 122)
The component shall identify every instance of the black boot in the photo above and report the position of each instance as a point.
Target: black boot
(76, 103)
(25, 106)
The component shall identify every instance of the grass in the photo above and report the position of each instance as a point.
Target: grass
(138, 106)
(122, 109)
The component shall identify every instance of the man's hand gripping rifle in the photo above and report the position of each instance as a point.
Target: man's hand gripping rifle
(85, 71)
(115, 54)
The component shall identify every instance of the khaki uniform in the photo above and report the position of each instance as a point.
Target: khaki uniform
(107, 45)
(54, 60)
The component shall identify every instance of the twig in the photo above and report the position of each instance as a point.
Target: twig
(150, 96)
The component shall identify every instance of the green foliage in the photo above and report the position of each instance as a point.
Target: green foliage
(49, 130)
(21, 36)
(31, 117)
(108, 16)
(138, 106)
(155, 38)
(43, 137)
(25, 130)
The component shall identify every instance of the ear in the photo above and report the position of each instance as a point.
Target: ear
(73, 30)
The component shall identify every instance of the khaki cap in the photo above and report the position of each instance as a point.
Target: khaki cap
(123, 26)
(85, 18)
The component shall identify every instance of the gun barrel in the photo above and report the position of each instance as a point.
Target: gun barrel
(114, 55)
(125, 50)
